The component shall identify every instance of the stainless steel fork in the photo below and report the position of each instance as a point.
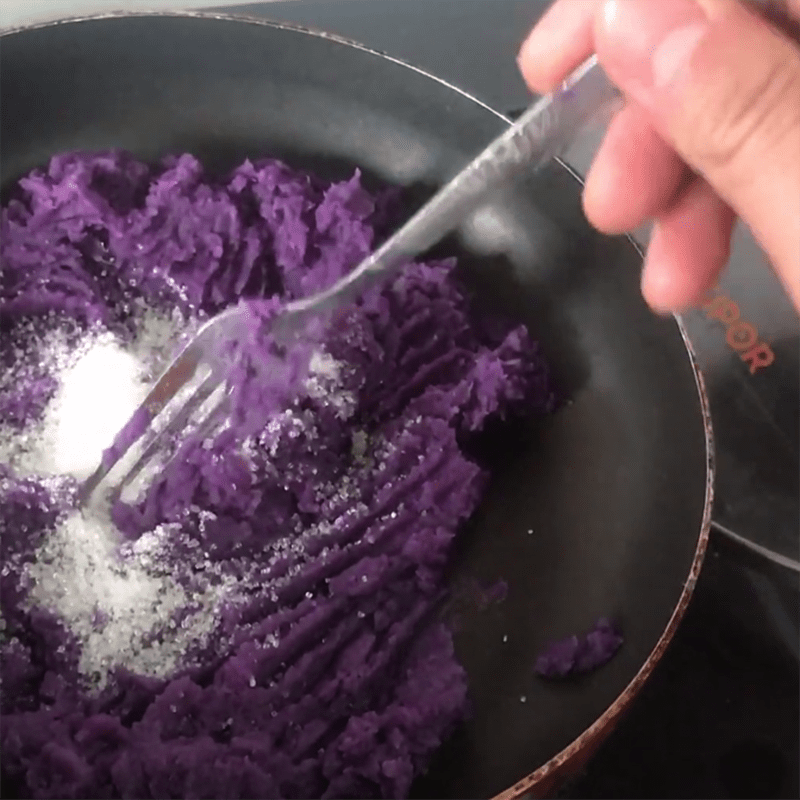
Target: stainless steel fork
(546, 130)
(195, 375)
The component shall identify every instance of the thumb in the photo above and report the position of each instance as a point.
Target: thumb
(723, 88)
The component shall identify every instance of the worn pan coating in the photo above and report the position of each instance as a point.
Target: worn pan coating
(602, 510)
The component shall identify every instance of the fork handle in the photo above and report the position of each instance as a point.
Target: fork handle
(546, 130)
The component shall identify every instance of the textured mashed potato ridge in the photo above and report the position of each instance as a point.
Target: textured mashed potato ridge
(327, 674)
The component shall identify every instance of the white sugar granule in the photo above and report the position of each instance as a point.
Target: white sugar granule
(97, 396)
(325, 383)
(120, 603)
(159, 337)
(101, 382)
(359, 447)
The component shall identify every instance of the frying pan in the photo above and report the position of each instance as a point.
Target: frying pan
(602, 509)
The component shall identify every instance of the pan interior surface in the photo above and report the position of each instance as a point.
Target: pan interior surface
(595, 511)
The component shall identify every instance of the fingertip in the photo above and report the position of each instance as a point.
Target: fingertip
(558, 43)
(606, 200)
(527, 65)
(689, 247)
(668, 291)
(635, 175)
(658, 282)
(596, 205)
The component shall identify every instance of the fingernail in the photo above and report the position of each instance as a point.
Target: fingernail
(539, 38)
(650, 42)
(563, 27)
(657, 284)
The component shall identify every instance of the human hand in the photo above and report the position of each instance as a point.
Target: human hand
(710, 130)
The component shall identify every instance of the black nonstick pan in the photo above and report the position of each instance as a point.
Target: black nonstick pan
(601, 510)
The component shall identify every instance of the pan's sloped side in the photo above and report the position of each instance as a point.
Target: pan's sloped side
(602, 509)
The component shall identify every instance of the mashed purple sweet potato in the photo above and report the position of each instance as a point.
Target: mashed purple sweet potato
(575, 655)
(261, 620)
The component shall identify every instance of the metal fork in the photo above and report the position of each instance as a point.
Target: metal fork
(194, 376)
(546, 130)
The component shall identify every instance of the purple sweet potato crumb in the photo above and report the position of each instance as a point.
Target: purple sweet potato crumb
(575, 655)
(496, 593)
(327, 677)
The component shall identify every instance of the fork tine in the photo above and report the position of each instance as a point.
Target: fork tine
(177, 422)
(167, 396)
(172, 381)
(209, 424)
(175, 377)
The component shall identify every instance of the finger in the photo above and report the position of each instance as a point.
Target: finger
(564, 37)
(561, 40)
(635, 175)
(722, 87)
(689, 246)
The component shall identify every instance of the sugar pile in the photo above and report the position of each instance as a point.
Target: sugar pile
(97, 396)
(121, 603)
(100, 380)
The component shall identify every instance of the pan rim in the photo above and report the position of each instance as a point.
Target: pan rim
(549, 772)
